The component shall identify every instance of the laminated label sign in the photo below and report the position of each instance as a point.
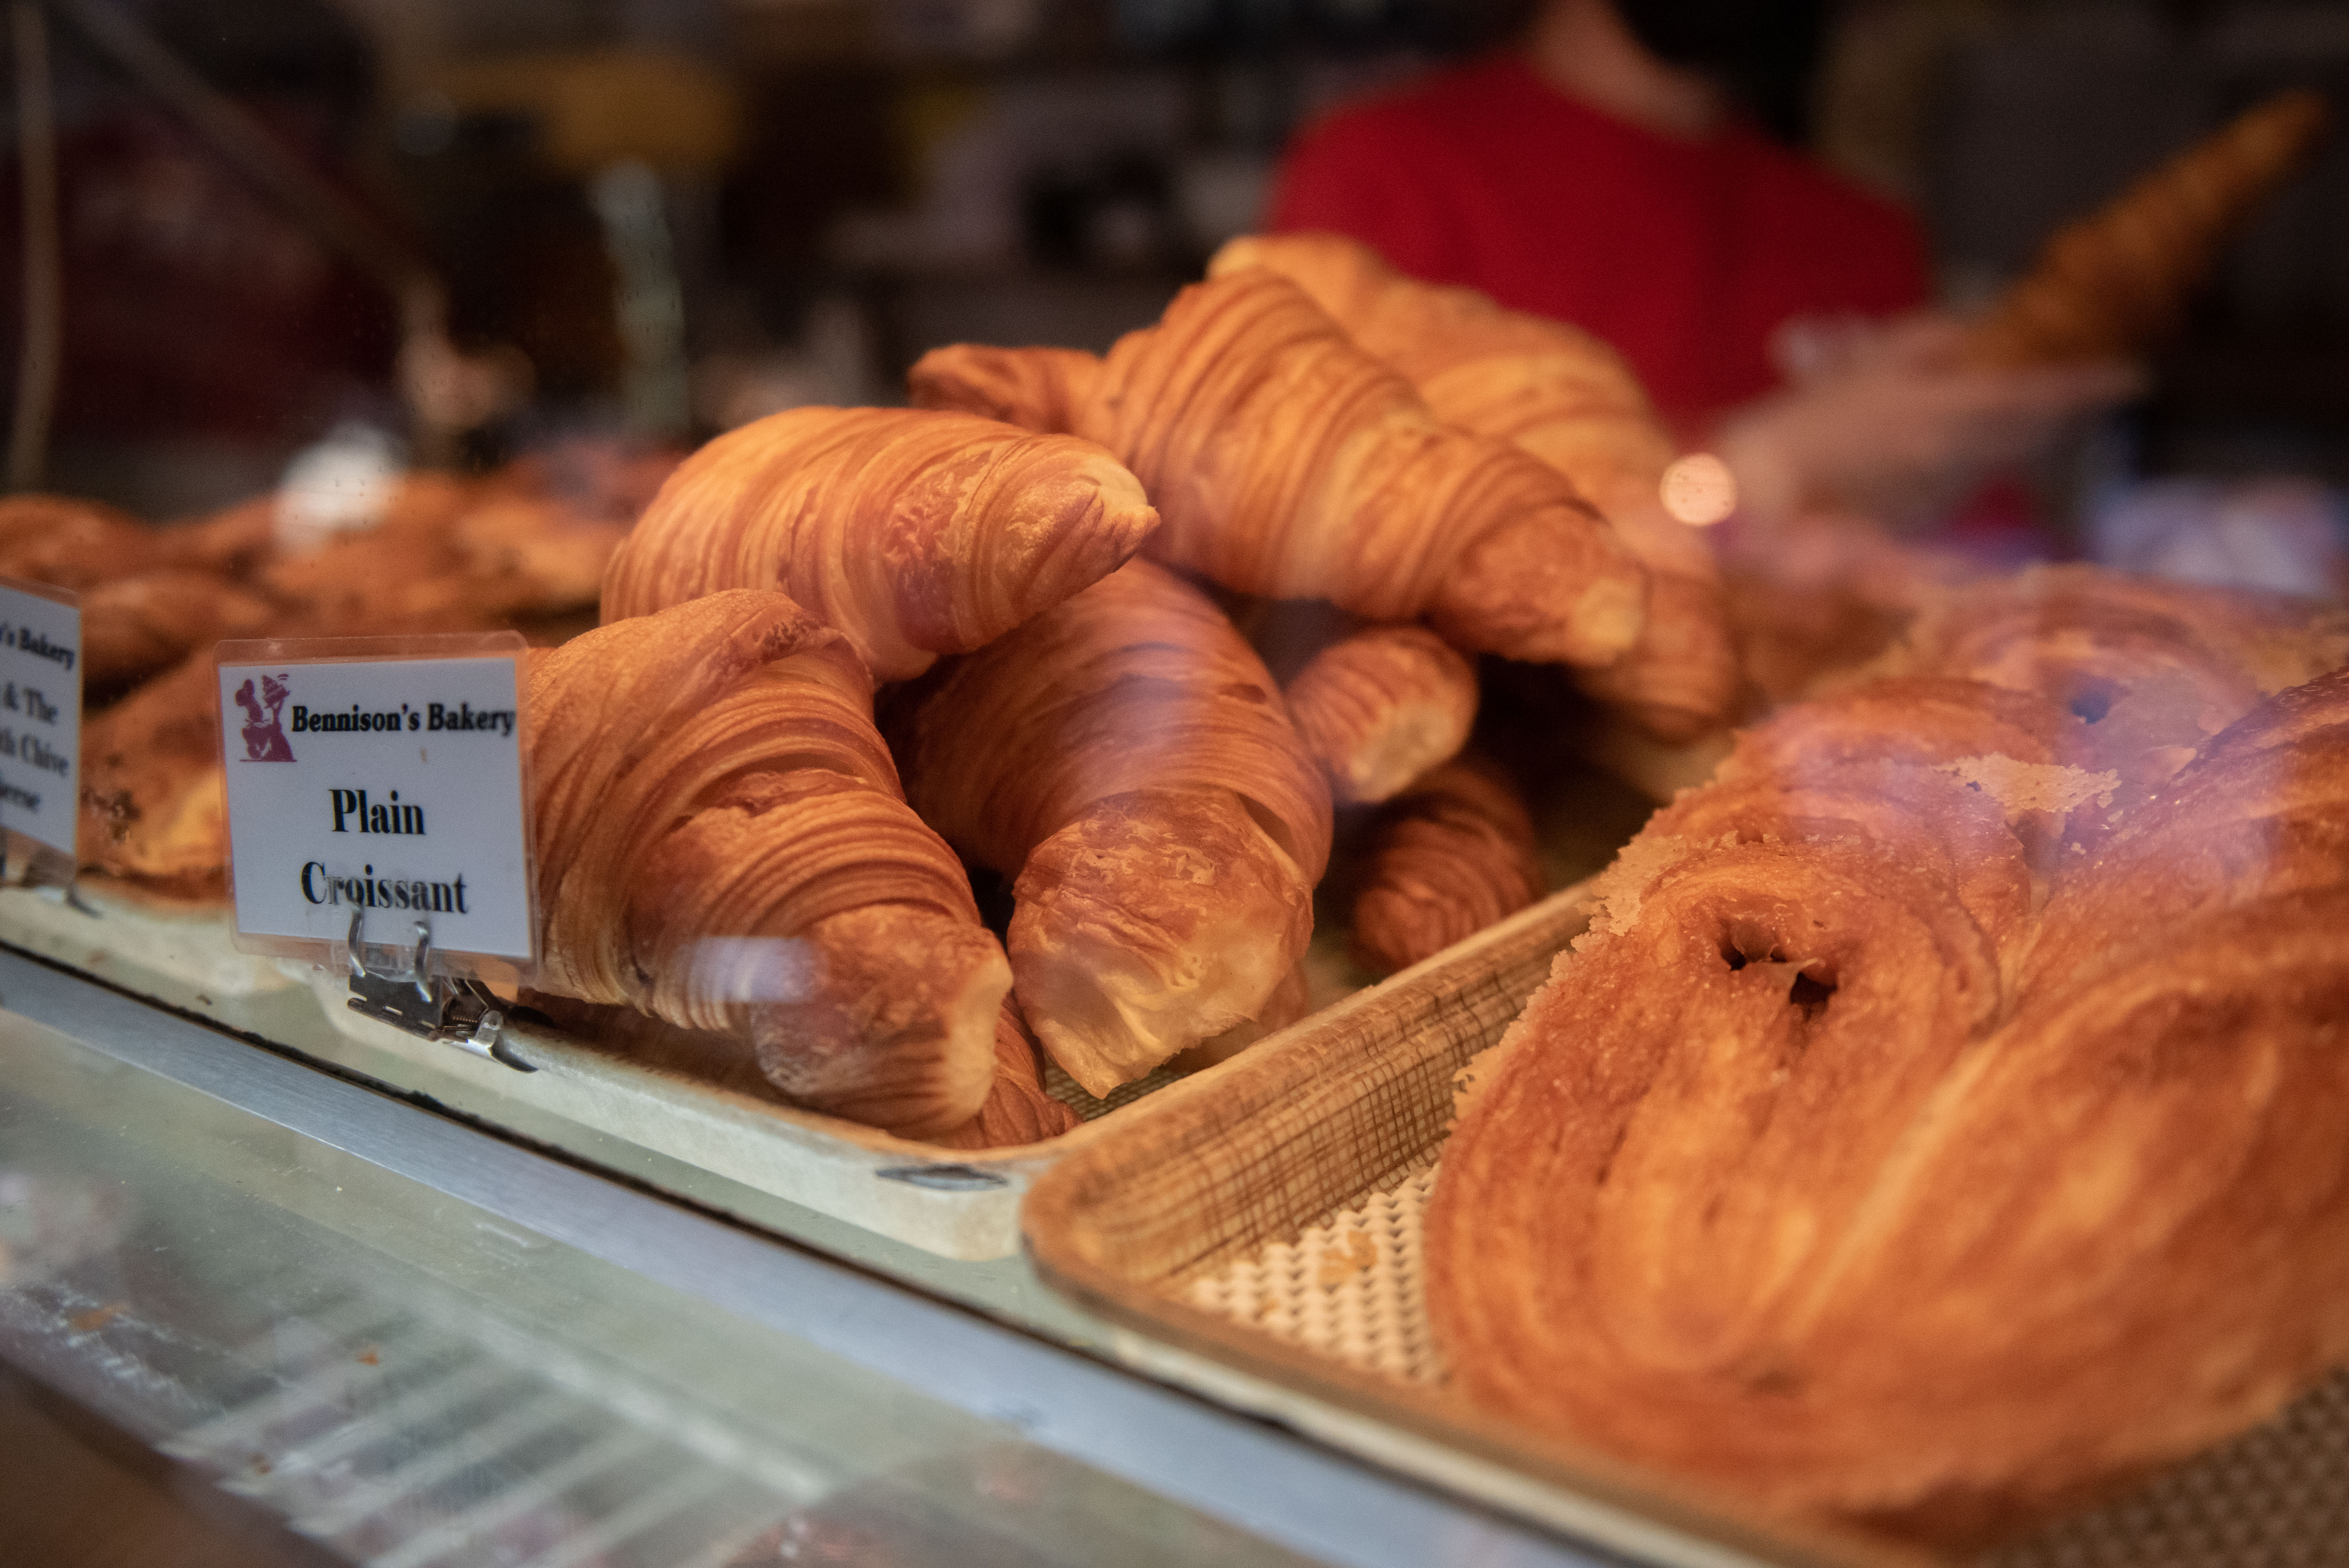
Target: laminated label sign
(40, 713)
(379, 786)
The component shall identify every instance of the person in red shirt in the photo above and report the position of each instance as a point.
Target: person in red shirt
(1601, 173)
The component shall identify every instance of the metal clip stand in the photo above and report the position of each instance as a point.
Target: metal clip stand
(451, 1009)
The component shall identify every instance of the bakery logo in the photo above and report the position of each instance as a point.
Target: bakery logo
(265, 730)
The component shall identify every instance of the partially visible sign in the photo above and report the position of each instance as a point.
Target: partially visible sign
(385, 785)
(40, 713)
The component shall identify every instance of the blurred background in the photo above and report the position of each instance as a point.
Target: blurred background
(481, 229)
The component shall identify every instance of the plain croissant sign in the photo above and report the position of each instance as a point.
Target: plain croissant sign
(366, 781)
(40, 715)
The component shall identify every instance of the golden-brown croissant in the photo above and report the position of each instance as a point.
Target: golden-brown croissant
(1285, 462)
(1682, 678)
(1126, 757)
(1569, 400)
(1552, 388)
(915, 533)
(1035, 388)
(1381, 706)
(721, 843)
(1448, 857)
(1018, 1111)
(1291, 1000)
(2116, 281)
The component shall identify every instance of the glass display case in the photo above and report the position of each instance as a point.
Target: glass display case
(1094, 781)
(419, 1343)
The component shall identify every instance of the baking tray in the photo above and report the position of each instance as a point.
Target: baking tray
(957, 1203)
(1261, 1246)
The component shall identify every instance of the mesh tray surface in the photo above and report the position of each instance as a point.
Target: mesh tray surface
(1351, 1288)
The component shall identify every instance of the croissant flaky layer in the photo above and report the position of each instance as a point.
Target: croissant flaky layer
(1380, 705)
(1018, 1111)
(916, 532)
(1566, 398)
(1894, 1150)
(1127, 759)
(1448, 857)
(1551, 388)
(1034, 388)
(1287, 462)
(721, 843)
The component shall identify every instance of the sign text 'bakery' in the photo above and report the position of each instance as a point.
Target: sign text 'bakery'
(351, 795)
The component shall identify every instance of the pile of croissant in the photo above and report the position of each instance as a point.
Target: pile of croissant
(848, 652)
(517, 547)
(1946, 1118)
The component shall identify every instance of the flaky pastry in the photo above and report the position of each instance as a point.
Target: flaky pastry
(721, 843)
(1448, 857)
(913, 532)
(1837, 1171)
(1127, 759)
(1287, 463)
(1381, 706)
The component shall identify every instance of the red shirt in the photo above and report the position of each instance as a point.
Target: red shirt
(1685, 255)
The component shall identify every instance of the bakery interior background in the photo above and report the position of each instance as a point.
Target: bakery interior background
(651, 219)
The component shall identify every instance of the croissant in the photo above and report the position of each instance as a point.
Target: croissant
(1380, 706)
(1450, 856)
(1035, 388)
(721, 843)
(1018, 1111)
(1831, 1171)
(1291, 1000)
(1682, 677)
(1569, 400)
(916, 533)
(1126, 757)
(1285, 462)
(2116, 281)
(1554, 389)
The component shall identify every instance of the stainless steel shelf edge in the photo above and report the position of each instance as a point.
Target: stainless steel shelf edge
(1281, 1486)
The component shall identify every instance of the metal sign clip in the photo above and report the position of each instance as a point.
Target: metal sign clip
(450, 1009)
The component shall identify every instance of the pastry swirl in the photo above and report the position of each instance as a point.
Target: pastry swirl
(1865, 1165)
